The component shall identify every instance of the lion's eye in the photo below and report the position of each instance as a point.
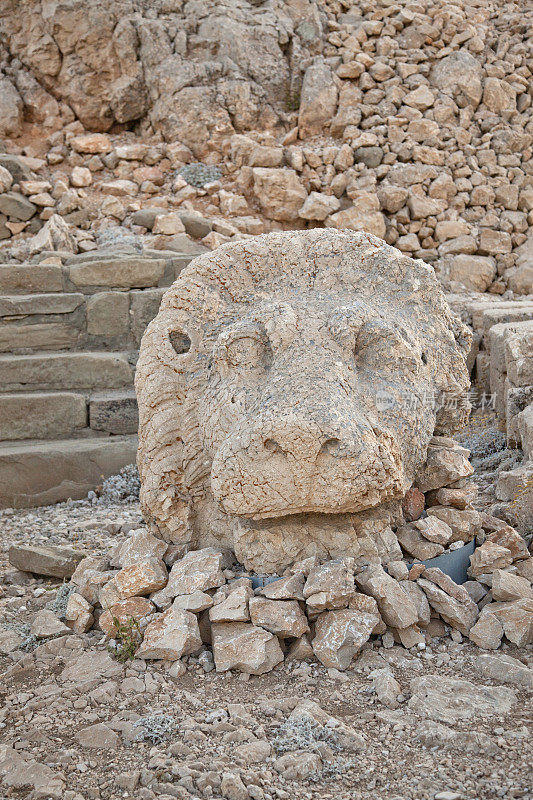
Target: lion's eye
(180, 342)
(380, 347)
(246, 351)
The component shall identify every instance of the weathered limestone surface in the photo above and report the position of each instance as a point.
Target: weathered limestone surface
(59, 562)
(289, 381)
(46, 473)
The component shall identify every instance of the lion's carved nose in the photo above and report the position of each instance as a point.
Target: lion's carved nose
(306, 441)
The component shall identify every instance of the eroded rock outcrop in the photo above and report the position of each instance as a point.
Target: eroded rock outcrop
(199, 69)
(288, 390)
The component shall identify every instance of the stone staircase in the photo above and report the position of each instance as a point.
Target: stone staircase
(70, 328)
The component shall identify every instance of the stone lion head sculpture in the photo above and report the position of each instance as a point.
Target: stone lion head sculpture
(288, 389)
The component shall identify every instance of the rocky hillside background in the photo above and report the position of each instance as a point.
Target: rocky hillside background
(411, 120)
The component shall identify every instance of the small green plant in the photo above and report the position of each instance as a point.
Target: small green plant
(128, 637)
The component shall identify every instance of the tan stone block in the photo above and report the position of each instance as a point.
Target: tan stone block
(464, 524)
(114, 412)
(108, 314)
(41, 415)
(362, 215)
(58, 561)
(279, 192)
(92, 143)
(518, 353)
(141, 578)
(79, 614)
(40, 473)
(196, 602)
(329, 586)
(91, 583)
(127, 272)
(285, 618)
(231, 606)
(171, 635)
(516, 618)
(444, 465)
(65, 371)
(488, 558)
(416, 545)
(421, 206)
(49, 303)
(242, 646)
(487, 632)
(474, 272)
(507, 537)
(506, 586)
(41, 336)
(434, 530)
(493, 242)
(168, 224)
(460, 613)
(340, 634)
(288, 588)
(140, 546)
(198, 569)
(144, 307)
(30, 278)
(396, 608)
(46, 624)
(138, 609)
(420, 601)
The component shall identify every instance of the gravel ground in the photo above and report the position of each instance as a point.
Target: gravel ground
(71, 708)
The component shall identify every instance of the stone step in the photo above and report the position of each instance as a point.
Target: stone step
(106, 320)
(114, 412)
(42, 415)
(60, 371)
(40, 304)
(23, 338)
(92, 272)
(30, 278)
(41, 321)
(38, 473)
(124, 273)
(64, 415)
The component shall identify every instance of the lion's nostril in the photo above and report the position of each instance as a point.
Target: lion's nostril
(331, 447)
(272, 446)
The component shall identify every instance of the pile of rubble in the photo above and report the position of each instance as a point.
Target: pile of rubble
(155, 601)
(23, 195)
(325, 611)
(411, 122)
